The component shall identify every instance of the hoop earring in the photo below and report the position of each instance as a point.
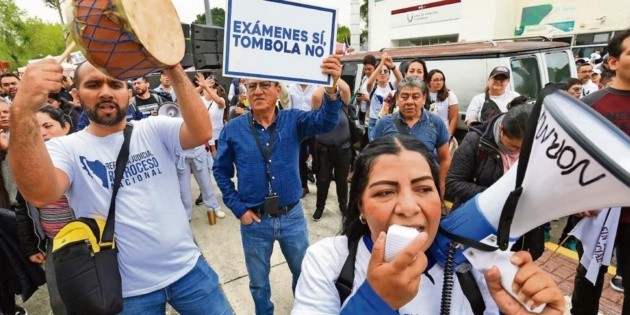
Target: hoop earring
(362, 219)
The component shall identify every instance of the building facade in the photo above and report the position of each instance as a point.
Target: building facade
(586, 25)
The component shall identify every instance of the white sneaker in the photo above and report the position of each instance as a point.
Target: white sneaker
(220, 214)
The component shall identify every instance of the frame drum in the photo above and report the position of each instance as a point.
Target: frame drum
(128, 39)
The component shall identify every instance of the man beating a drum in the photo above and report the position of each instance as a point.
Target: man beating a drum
(159, 262)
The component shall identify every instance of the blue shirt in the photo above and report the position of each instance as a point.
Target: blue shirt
(238, 151)
(430, 129)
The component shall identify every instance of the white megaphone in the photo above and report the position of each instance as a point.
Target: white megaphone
(169, 109)
(578, 161)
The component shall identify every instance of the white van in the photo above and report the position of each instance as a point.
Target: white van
(467, 66)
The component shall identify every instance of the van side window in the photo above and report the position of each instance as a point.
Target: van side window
(526, 76)
(558, 66)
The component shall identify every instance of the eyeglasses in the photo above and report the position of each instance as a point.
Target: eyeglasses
(264, 85)
(384, 71)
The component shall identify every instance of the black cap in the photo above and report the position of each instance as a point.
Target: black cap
(500, 70)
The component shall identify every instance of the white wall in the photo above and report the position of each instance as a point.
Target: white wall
(479, 20)
(494, 19)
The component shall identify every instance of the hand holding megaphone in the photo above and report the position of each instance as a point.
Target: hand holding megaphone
(571, 164)
(397, 281)
(533, 287)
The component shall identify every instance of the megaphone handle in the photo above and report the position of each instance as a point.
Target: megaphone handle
(508, 273)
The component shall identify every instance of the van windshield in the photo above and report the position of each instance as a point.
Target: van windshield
(526, 76)
(558, 66)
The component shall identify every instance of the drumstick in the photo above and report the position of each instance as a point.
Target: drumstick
(66, 52)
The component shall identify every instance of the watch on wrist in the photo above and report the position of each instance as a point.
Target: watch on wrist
(392, 68)
(335, 95)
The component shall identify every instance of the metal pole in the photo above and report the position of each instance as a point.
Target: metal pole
(208, 13)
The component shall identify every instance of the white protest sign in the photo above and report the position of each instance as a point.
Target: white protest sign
(278, 40)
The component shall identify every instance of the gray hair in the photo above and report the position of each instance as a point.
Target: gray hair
(413, 82)
(5, 100)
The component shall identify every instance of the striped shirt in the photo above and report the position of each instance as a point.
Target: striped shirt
(55, 216)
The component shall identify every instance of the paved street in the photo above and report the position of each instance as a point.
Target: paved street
(221, 246)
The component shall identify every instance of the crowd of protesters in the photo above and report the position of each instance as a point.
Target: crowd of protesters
(271, 137)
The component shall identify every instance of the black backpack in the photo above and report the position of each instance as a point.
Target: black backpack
(345, 281)
(167, 97)
(489, 109)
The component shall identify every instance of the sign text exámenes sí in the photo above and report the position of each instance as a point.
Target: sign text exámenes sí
(260, 36)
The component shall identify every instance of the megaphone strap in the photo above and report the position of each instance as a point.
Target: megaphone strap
(507, 215)
(466, 241)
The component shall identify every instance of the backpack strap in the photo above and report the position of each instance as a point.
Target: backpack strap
(121, 162)
(489, 109)
(471, 290)
(402, 129)
(372, 92)
(345, 281)
(158, 98)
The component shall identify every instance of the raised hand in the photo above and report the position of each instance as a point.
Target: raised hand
(201, 81)
(332, 66)
(387, 60)
(40, 79)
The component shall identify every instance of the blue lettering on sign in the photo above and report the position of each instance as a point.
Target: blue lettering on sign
(260, 36)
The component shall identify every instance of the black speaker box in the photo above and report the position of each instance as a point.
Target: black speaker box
(204, 47)
(188, 60)
(189, 46)
(186, 30)
(206, 33)
(208, 61)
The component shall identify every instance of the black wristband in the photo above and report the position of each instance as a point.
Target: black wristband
(392, 68)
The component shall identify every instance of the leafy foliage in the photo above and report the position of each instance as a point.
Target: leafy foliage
(24, 39)
(343, 32)
(363, 11)
(218, 17)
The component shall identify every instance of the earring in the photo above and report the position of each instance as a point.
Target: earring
(362, 218)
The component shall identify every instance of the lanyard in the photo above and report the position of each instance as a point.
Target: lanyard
(266, 154)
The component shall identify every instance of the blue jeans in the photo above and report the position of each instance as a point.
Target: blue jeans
(197, 292)
(291, 232)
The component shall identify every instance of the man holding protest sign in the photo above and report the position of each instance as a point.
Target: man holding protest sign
(263, 147)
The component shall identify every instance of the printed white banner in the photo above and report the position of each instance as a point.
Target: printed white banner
(597, 235)
(278, 40)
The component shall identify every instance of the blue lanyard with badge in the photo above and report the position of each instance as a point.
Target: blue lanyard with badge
(272, 201)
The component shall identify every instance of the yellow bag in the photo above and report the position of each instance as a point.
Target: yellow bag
(87, 271)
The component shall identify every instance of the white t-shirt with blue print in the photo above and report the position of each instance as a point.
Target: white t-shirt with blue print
(154, 239)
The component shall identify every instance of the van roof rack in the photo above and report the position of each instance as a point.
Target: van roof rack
(472, 48)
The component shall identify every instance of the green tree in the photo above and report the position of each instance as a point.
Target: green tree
(56, 4)
(363, 11)
(343, 32)
(12, 32)
(218, 17)
(200, 19)
(22, 40)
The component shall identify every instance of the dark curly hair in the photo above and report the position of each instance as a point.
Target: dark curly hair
(57, 115)
(352, 226)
